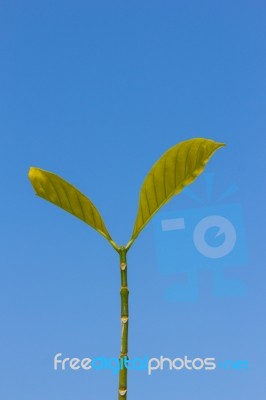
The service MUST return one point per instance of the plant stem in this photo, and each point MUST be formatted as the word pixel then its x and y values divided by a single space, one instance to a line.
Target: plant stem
pixel 124 292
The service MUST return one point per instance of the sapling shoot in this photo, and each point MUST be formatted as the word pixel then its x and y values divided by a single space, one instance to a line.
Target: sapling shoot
pixel 178 167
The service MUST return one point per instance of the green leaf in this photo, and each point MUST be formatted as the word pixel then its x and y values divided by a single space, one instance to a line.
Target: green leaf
pixel 61 193
pixel 177 168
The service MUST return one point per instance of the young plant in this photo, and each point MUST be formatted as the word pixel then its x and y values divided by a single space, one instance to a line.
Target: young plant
pixel 178 167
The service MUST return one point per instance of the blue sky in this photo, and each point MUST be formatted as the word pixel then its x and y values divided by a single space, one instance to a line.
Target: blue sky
pixel 96 92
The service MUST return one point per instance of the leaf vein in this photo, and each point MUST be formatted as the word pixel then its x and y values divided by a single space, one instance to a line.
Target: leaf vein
pixel 67 196
pixel 81 207
pixel 147 199
pixel 53 186
pixel 153 181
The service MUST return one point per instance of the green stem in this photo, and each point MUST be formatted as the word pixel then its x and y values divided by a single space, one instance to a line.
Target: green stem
pixel 124 292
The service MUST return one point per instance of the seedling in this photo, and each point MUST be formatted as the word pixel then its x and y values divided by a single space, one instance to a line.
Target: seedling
pixel 178 167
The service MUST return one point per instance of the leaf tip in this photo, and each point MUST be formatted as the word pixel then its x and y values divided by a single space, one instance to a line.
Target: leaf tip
pixel 221 144
pixel 33 173
pixel 34 176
